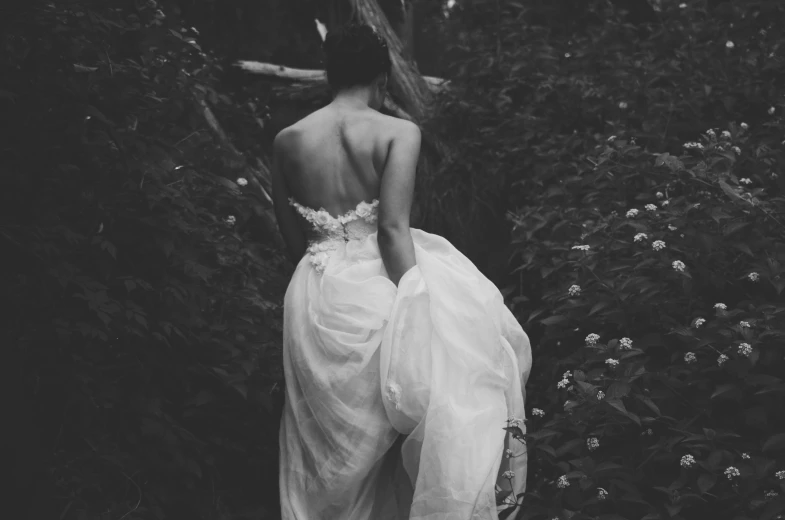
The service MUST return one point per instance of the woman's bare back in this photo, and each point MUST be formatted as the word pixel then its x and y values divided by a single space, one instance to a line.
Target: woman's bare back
pixel 335 157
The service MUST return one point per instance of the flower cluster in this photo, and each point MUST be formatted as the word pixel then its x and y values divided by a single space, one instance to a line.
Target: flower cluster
pixel 678 265
pixel 537 412
pixel 625 343
pixel 722 359
pixel 574 290
pixel 632 213
pixel 640 237
pixel 732 472
pixel 650 207
pixel 687 461
pixel 690 357
pixel 658 245
pixel 592 443
pixel 592 339
pixel 612 362
pixel 698 322
pixel 562 482
pixel 582 247
pixel 745 349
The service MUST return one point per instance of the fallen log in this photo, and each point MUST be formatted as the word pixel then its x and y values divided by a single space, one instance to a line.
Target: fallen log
pixel 313 75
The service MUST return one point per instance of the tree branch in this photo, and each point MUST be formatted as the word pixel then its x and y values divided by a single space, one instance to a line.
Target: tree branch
pixel 313 75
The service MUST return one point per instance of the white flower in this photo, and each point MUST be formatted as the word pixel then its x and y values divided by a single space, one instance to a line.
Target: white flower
pixel 744 324
pixel 601 494
pixel 567 374
pixel 771 111
pixel 711 133
pixel 514 421
pixel 665 203
pixel 731 472
pixel 745 456
pixel 780 474
pixel 574 290
pixel 508 474
pixel 562 482
pixel 567 54
pixel 537 412
pixel 691 145
pixel 720 306
pixel 592 443
pixel 582 247
pixel 690 357
pixel 626 343
pixel 658 245
pixel 725 134
pixel 744 126
pixel 678 265
pixel 729 44
pixel 682 5
pixel 612 362
pixel 650 207
pixel 659 195
pixel 600 395
pixel 672 227
pixel 632 213
pixel 592 338
pixel 771 494
pixel 737 150
pixel 562 384
pixel 242 181
pixel 745 349
pixel 230 220
pixel 623 105
pixel 365 209
pixel 319 261
pixel 753 277
pixel 722 359
pixel 745 180
pixel 611 138
pixel 698 322
pixel 687 461
pixel 321 218
pixel 640 236
pixel 508 453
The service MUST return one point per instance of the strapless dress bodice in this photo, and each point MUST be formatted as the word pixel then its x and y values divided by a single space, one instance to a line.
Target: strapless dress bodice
pixel 328 232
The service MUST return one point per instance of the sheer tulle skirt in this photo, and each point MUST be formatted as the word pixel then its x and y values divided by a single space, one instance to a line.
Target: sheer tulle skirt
pixel 397 397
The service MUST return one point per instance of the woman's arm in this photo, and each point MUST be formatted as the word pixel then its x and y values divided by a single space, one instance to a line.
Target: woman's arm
pixel 285 214
pixel 395 202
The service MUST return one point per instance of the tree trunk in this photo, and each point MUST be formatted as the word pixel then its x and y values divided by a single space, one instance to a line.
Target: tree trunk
pixel 407 86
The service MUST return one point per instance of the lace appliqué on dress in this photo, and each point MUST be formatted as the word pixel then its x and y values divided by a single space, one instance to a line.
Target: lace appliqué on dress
pixel 333 230
pixel 394 394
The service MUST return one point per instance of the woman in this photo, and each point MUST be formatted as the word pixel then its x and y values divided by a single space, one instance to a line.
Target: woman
pixel 402 363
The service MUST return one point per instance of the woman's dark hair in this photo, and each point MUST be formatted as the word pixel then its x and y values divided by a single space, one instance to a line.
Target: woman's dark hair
pixel 356 55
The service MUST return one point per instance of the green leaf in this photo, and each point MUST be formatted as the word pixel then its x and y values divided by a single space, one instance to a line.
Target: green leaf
pixel 775 442
pixel 706 481
pixel 553 320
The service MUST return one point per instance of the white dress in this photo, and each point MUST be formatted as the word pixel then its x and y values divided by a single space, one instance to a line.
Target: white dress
pixel 439 359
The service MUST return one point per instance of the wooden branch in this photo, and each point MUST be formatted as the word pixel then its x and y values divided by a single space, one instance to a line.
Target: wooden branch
pixel 313 75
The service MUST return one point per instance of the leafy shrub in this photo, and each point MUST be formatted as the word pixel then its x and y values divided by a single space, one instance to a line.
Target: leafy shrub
pixel 534 112
pixel 664 317
pixel 142 317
